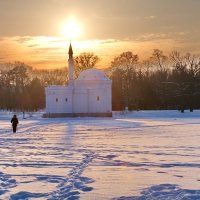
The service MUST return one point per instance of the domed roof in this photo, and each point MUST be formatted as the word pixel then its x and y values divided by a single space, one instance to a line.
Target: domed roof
pixel 92 74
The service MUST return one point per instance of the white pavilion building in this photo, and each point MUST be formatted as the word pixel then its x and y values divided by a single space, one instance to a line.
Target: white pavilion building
pixel 88 95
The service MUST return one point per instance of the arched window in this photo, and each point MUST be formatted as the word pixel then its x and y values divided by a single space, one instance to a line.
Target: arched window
pixel 98 98
pixel 56 99
pixel 66 99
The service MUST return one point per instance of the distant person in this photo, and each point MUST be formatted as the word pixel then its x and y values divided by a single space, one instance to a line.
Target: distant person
pixel 14 122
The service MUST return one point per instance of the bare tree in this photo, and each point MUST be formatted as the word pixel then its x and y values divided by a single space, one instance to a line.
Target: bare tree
pixel 187 63
pixel 86 60
pixel 126 60
pixel 125 66
pixel 52 77
pixel 159 60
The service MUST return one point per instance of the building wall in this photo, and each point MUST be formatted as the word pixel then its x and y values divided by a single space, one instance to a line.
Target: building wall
pixel 99 95
pixel 80 101
pixel 99 101
pixel 58 99
pixel 83 97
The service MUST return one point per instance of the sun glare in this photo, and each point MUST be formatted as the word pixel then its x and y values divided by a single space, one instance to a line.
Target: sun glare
pixel 71 29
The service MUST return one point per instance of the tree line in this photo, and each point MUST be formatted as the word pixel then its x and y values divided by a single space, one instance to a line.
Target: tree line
pixel 22 88
pixel 159 82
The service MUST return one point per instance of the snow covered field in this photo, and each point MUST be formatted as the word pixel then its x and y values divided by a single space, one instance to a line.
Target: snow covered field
pixel 138 155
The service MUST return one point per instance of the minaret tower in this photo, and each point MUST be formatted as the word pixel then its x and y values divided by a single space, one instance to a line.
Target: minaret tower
pixel 70 64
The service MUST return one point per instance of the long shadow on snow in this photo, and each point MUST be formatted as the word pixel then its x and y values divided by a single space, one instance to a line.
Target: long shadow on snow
pixel 163 192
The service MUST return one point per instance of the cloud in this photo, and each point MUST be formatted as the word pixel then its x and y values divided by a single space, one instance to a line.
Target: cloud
pixel 174 35
pixel 32 45
pixel 49 52
pixel 23 39
pixel 152 17
pixel 109 41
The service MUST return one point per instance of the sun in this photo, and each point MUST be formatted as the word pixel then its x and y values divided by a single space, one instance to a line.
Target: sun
pixel 71 29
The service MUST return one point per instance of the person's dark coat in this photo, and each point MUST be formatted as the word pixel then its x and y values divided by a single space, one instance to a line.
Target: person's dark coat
pixel 14 122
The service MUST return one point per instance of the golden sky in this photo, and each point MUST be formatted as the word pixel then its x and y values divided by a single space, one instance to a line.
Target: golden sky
pixel 30 31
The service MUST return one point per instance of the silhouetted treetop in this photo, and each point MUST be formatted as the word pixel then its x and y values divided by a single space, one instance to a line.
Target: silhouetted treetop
pixel 85 60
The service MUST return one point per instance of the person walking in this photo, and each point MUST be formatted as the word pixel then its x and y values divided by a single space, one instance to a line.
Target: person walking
pixel 14 122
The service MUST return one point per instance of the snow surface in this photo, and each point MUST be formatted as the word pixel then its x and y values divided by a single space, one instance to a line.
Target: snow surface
pixel 134 155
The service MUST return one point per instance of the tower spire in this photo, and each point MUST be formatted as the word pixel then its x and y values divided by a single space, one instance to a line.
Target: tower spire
pixel 70 64
pixel 70 52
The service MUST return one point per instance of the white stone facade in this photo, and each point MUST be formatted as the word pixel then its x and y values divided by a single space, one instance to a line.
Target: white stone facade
pixel 89 95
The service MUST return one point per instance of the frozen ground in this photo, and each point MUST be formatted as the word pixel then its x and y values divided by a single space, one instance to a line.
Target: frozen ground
pixel 140 155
